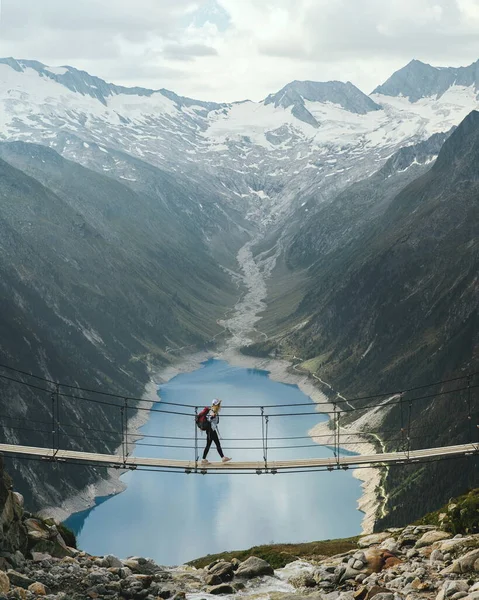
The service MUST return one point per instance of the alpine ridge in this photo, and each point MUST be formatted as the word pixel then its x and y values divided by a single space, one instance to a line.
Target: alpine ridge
pixel 353 218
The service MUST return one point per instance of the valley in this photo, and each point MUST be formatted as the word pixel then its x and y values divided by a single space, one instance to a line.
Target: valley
pixel 321 222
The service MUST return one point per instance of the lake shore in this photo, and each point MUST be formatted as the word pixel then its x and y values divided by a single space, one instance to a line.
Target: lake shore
pixel 279 370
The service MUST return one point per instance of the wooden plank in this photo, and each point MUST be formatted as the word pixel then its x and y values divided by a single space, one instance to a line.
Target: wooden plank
pixel 330 462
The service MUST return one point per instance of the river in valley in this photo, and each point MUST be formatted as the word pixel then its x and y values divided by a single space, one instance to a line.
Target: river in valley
pixel 174 518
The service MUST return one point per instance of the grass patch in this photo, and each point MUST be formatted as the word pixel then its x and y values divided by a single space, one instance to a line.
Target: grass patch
pixel 279 555
pixel 460 515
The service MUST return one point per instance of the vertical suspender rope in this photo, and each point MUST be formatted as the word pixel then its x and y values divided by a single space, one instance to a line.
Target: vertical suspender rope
pixel 469 415
pixel 266 421
pixel 401 404
pixel 122 416
pixel 339 434
pixel 409 430
pixel 53 421
pixel 263 434
pixel 57 426
pixel 196 439
pixel 335 422
pixel 126 430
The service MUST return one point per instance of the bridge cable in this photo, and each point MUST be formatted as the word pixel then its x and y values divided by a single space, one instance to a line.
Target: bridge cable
pixel 119 396
pixel 142 408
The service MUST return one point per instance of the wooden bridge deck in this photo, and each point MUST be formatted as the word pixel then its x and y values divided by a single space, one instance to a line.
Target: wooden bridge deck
pixel 133 462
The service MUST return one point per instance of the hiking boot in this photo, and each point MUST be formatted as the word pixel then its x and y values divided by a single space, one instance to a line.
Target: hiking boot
pixel 225 459
pixel 205 462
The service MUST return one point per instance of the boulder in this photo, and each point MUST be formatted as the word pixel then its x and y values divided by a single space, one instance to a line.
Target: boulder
pixel 55 548
pixel 451 587
pixel 465 564
pixel 37 529
pixel 436 556
pixel 365 593
pixel 220 572
pixel 37 588
pixel 4 583
pixel 254 567
pixel 18 579
pixel 303 580
pixel 430 537
pixel 224 588
pixel 377 560
pixel 373 540
pixel 112 561
pixel 458 544
pixel 212 579
pixel 390 545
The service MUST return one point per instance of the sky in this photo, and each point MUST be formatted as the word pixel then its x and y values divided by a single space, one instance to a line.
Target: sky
pixel 226 50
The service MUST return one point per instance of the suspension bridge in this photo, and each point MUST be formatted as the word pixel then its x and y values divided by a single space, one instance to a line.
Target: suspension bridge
pixel 57 433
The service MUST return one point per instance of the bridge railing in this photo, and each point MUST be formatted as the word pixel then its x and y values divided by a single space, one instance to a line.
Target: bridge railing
pixel 48 415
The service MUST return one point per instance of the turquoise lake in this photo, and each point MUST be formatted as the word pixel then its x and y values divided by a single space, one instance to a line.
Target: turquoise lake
pixel 174 518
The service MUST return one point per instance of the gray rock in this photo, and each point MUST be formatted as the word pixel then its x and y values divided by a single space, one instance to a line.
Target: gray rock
pixel 213 579
pixel 304 580
pixel 332 595
pixel 372 540
pixel 40 556
pixel 18 579
pixel 223 571
pixel 112 561
pixel 384 596
pixel 254 567
pixel 390 545
pixel 430 537
pixel 98 577
pixel 458 595
pixel 451 587
pixel 224 588
pixel 436 556
pixel 348 573
pixel 468 562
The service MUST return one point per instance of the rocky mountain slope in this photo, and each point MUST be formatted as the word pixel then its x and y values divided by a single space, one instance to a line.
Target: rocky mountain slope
pixel 397 305
pixel 123 210
pixel 97 280
pixel 421 561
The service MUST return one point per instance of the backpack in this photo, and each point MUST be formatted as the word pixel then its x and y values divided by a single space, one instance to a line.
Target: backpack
pixel 201 420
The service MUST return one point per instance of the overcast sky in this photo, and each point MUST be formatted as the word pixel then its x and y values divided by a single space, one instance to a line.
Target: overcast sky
pixel 235 49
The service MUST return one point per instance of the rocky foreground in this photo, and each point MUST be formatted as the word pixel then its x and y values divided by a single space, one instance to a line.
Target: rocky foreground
pixel 417 562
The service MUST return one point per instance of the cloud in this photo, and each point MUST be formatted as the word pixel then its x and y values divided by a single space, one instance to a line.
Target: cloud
pixel 228 50
pixel 188 51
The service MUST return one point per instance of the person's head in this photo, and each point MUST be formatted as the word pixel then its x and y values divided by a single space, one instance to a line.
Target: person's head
pixel 216 405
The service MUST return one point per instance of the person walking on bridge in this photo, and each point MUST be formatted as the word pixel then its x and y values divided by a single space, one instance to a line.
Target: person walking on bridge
pixel 212 420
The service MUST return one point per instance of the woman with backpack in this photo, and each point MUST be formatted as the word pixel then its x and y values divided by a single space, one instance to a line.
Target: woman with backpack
pixel 212 420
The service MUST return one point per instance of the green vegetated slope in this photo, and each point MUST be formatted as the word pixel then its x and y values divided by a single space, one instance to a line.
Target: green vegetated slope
pixel 279 555
pixel 96 280
pixel 397 306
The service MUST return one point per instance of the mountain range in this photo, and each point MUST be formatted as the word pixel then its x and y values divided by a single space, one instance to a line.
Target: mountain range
pixel 123 210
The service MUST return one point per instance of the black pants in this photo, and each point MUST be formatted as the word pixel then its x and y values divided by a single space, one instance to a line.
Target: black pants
pixel 212 436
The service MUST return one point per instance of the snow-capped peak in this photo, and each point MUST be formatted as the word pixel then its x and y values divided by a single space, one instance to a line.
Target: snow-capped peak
pixel 346 95
pixel 308 138
pixel 88 85
pixel 419 80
